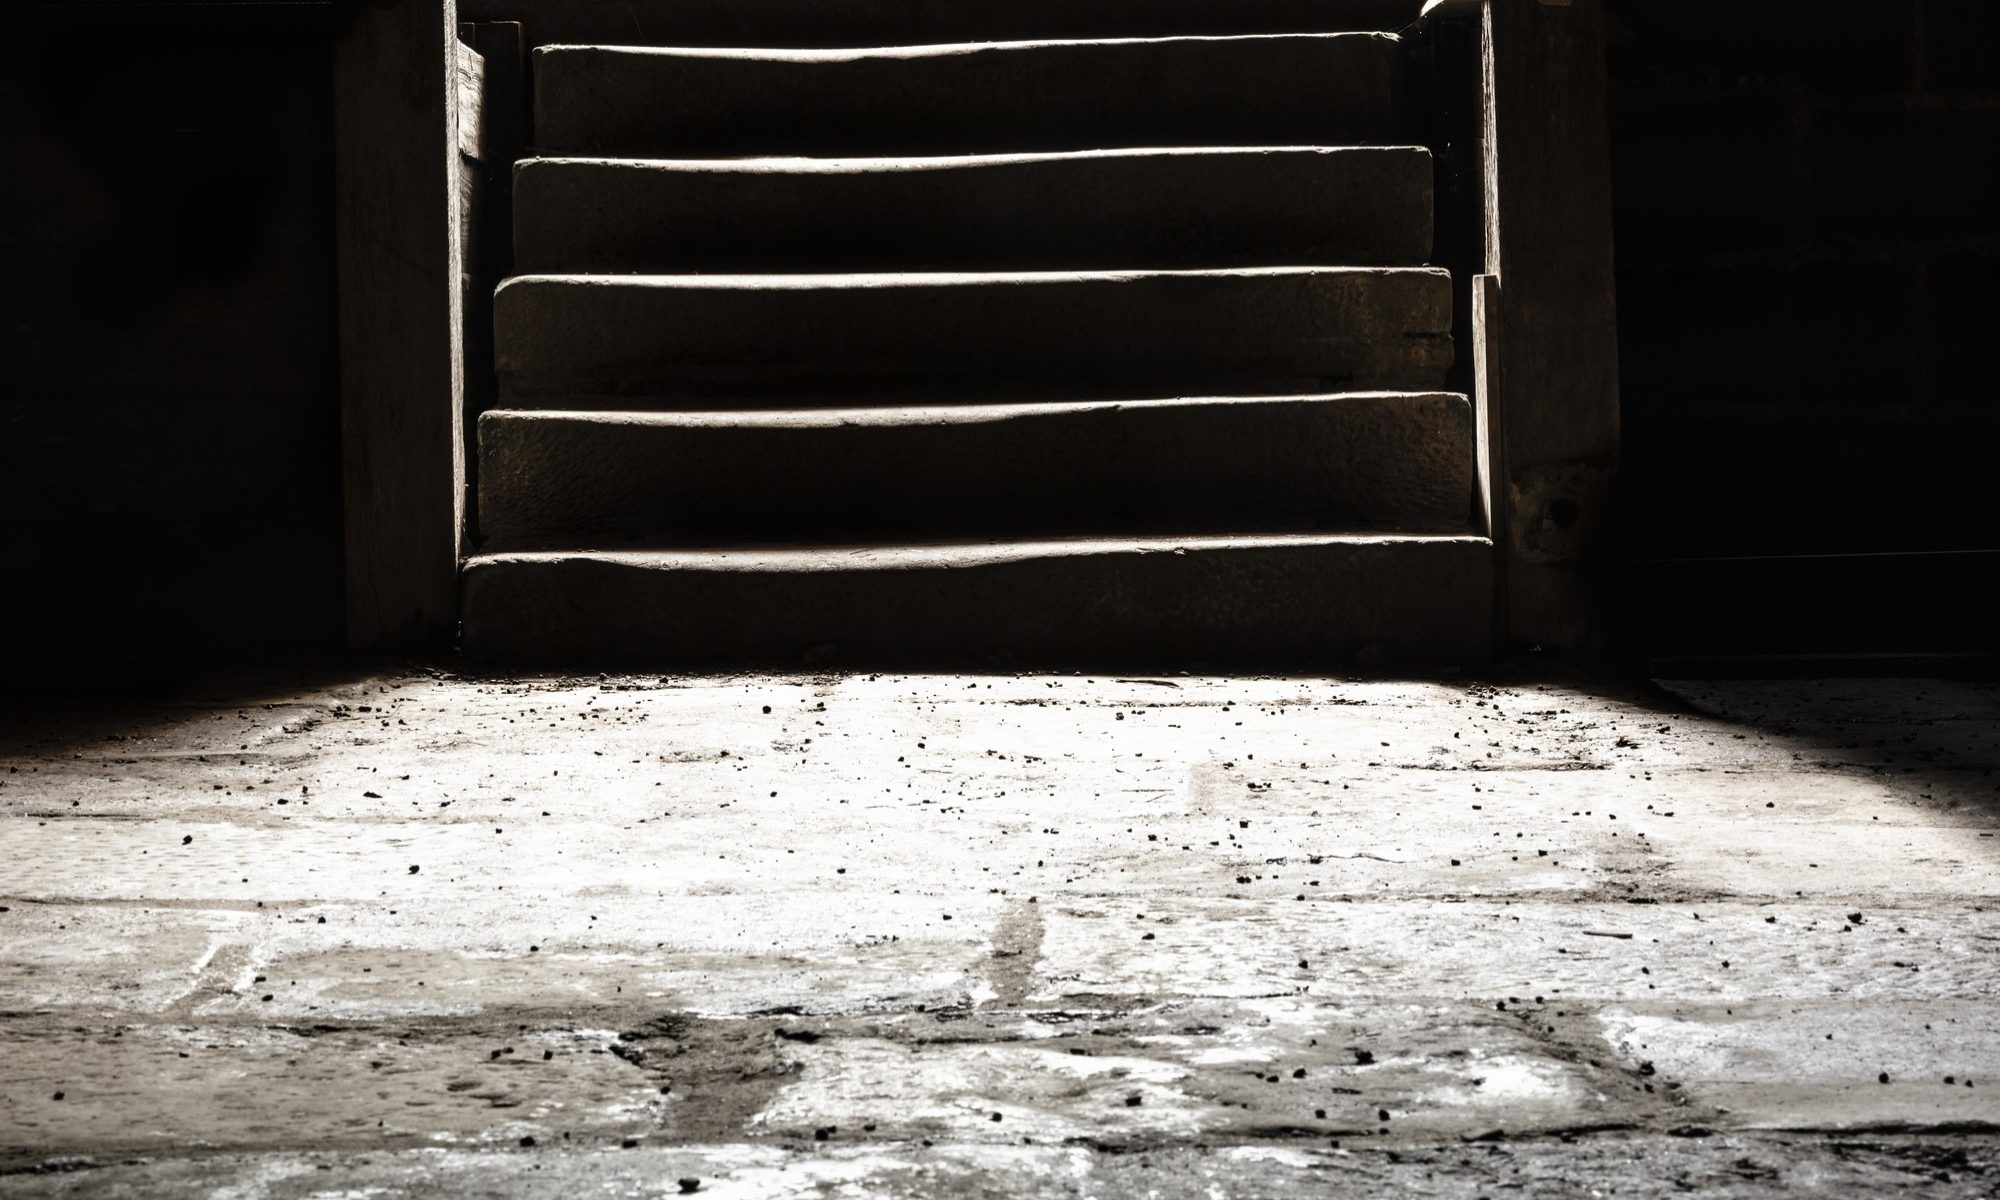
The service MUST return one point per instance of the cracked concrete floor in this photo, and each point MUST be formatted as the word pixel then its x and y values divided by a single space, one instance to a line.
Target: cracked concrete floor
pixel 1001 936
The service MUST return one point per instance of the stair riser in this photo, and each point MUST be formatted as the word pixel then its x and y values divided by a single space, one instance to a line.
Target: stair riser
pixel 1360 207
pixel 1390 462
pixel 607 342
pixel 1367 603
pixel 1335 89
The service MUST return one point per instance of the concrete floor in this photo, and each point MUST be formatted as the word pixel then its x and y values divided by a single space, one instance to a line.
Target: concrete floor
pixel 1003 936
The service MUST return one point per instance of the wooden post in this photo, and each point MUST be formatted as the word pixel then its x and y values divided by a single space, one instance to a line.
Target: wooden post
pixel 1547 341
pixel 402 367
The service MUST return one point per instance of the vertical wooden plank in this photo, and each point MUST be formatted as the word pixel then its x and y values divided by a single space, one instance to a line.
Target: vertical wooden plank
pixel 475 315
pixel 401 359
pixel 469 77
pixel 487 178
pixel 1445 58
pixel 502 47
pixel 1549 243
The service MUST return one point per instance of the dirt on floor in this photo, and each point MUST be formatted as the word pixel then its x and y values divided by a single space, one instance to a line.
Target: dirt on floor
pixel 966 935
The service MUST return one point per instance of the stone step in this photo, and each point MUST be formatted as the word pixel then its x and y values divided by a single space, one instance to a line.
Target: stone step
pixel 1290 600
pixel 1371 461
pixel 582 341
pixel 922 22
pixel 1224 207
pixel 1276 90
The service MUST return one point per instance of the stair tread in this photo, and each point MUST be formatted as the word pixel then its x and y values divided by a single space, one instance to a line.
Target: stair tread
pixel 1074 349
pixel 1186 207
pixel 1367 460
pixel 582 341
pixel 1286 600
pixel 1257 89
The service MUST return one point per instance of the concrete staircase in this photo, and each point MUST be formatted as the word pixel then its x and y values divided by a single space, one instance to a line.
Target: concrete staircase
pixel 1060 352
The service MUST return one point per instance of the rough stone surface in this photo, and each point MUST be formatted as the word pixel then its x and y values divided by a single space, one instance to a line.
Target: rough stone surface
pixel 1363 461
pixel 1640 1166
pixel 684 340
pixel 1091 210
pixel 417 934
pixel 1377 601
pixel 1278 90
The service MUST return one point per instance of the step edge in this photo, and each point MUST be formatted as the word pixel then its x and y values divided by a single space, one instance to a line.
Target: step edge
pixel 861 164
pixel 834 281
pixel 902 555
pixel 776 54
pixel 898 415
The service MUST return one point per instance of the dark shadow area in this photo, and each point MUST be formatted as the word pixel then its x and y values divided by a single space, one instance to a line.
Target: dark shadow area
pixel 1929 742
pixel 1806 226
pixel 1934 742
pixel 1805 203
pixel 142 705
pixel 170 428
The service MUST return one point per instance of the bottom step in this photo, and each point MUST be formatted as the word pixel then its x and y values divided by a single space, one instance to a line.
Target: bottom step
pixel 1287 601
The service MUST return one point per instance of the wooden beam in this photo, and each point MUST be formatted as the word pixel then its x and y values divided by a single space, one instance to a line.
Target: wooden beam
pixel 396 150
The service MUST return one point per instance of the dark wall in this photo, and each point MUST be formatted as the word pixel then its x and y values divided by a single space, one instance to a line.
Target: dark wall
pixel 1808 214
pixel 169 430
pixel 1808 222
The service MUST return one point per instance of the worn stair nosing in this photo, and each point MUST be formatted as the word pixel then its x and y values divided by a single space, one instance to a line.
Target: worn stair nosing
pixel 834 281
pixel 953 553
pixel 863 163
pixel 937 49
pixel 890 413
